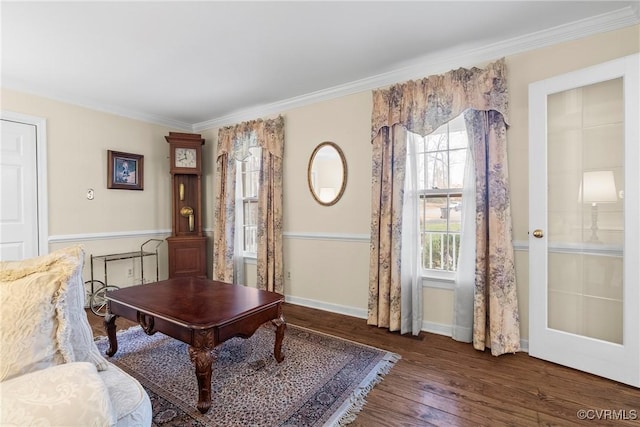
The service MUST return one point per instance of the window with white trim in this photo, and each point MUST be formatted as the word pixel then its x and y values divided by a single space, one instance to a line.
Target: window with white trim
pixel 247 192
pixel 441 158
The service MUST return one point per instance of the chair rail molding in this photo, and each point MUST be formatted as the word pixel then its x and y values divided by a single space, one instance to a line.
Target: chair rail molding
pixel 69 238
pixel 312 235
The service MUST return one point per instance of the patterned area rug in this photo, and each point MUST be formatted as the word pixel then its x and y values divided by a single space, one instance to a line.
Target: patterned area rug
pixel 323 380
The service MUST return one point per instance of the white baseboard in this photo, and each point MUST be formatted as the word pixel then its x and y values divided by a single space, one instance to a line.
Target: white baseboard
pixel 430 327
pixel 334 308
pixel 437 328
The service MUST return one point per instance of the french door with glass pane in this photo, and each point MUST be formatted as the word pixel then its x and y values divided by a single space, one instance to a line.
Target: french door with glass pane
pixel 584 234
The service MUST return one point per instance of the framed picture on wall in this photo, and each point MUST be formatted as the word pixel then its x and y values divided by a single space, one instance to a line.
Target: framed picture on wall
pixel 125 171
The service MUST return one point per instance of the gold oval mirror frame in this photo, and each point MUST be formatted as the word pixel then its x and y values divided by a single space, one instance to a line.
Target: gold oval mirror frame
pixel 327 173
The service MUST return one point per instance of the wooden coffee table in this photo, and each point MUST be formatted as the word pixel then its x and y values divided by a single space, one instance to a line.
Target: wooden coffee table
pixel 198 312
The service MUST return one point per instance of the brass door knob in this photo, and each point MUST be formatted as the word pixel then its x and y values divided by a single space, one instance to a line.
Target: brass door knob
pixel 538 233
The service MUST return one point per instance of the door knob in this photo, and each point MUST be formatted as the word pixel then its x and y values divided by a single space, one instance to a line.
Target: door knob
pixel 538 233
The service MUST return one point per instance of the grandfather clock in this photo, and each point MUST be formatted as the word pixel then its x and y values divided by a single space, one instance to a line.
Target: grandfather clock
pixel 187 244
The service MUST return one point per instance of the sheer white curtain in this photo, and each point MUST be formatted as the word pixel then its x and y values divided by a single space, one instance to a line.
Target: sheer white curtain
pixel 238 246
pixel 410 277
pixel 466 269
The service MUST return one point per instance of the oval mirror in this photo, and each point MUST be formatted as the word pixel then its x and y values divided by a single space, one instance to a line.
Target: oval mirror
pixel 327 173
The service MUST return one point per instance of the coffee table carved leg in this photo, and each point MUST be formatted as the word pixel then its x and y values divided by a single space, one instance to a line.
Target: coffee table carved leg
pixel 281 326
pixel 110 327
pixel 201 354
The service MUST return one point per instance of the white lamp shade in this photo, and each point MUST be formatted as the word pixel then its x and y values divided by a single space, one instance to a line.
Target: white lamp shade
pixel 599 187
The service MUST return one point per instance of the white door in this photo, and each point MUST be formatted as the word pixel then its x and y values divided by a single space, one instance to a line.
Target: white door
pixel 584 231
pixel 19 191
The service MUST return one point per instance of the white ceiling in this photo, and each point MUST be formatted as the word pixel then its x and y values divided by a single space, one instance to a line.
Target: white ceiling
pixel 189 64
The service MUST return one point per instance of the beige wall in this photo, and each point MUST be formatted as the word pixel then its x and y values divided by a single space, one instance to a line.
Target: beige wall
pixel 326 248
pixel 77 143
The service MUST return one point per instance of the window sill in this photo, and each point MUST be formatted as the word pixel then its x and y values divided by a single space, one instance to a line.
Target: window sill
pixel 250 257
pixel 439 281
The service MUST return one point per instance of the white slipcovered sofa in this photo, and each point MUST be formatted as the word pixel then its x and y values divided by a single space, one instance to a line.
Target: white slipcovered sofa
pixel 51 372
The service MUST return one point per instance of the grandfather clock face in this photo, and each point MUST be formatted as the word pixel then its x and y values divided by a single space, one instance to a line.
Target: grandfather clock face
pixel 185 158
pixel 186 169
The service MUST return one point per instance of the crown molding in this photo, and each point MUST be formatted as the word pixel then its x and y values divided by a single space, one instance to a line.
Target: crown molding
pixel 12 84
pixel 435 63
pixel 442 61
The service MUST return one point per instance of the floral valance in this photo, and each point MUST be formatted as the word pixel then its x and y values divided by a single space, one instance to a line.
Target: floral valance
pixel 268 134
pixel 422 106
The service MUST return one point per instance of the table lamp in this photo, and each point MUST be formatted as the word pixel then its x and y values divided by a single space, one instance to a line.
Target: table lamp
pixel 599 187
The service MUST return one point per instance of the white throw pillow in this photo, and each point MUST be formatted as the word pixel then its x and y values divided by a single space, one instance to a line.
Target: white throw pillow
pixel 42 317
pixel 71 307
pixel 29 334
pixel 72 394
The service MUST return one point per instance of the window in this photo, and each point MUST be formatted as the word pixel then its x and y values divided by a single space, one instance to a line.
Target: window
pixel 441 158
pixel 247 191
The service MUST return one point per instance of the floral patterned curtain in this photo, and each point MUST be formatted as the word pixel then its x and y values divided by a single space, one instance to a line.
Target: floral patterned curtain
pixel 269 135
pixel 421 106
pixel 270 248
pixel 385 268
pixel 496 322
pixel 224 213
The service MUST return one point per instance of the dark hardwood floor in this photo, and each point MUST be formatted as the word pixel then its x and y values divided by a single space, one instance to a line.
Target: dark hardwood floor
pixel 442 382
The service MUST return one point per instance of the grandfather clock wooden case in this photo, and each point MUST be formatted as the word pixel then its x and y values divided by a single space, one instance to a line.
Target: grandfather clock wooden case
pixel 187 244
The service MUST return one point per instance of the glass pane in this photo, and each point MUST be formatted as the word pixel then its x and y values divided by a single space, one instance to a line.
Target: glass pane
pixel 438 170
pixel 251 173
pixel 585 158
pixel 457 160
pixel 250 239
pixel 454 213
pixel 421 168
pixel 250 184
pixel 458 139
pixel 254 159
pixel 458 133
pixel 245 183
pixel 432 227
pixel 437 141
pixel 421 143
pixel 250 212
pixel 434 213
pixel 440 222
